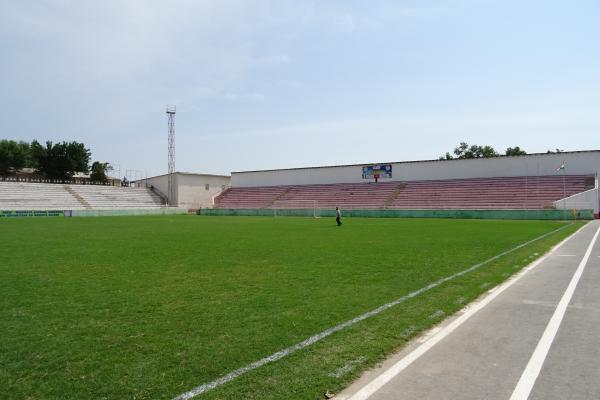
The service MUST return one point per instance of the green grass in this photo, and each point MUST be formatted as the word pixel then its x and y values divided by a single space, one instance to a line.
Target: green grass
pixel 150 307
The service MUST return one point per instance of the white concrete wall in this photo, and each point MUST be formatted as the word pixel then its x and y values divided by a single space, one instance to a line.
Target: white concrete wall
pixel 191 189
pixel 530 165
pixel 588 200
pixel 160 182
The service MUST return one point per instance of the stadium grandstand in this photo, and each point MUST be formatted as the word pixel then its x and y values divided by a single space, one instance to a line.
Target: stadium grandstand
pixel 544 181
pixel 566 180
pixel 16 195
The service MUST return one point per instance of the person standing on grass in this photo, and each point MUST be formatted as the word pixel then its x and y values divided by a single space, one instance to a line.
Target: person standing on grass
pixel 338 216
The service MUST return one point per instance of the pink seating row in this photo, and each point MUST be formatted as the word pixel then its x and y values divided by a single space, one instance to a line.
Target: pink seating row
pixel 478 193
pixel 492 193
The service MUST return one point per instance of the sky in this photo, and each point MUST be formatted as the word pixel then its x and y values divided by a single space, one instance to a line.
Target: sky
pixel 278 84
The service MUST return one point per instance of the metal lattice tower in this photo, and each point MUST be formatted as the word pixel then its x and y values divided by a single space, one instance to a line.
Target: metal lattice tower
pixel 171 189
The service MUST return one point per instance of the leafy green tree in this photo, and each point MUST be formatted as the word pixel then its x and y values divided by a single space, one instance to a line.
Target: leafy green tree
pixel 98 172
pixel 486 152
pixel 39 155
pixel 515 151
pixel 13 156
pixel 464 151
pixel 61 160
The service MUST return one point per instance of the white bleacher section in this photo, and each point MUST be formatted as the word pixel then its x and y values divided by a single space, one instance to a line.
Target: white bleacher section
pixel 45 196
pixel 101 197
pixel 36 196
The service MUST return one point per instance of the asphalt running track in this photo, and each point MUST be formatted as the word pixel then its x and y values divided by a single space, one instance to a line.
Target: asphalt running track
pixel 537 336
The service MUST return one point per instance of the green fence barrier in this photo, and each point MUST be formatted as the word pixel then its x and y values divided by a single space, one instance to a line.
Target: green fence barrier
pixel 463 214
pixel 267 212
pixel 31 213
pixel 90 213
pixel 113 213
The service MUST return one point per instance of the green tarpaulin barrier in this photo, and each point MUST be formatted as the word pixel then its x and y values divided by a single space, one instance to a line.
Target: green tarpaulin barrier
pixel 549 214
pixel 91 213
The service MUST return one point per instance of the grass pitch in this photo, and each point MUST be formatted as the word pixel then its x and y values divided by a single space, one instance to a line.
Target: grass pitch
pixel 150 307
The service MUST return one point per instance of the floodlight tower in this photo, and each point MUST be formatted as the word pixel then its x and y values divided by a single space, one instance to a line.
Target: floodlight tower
pixel 171 189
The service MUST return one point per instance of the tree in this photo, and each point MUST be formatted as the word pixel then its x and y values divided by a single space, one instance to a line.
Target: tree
pixel 98 172
pixel 515 151
pixel 464 151
pixel 13 156
pixel 61 160
pixel 486 152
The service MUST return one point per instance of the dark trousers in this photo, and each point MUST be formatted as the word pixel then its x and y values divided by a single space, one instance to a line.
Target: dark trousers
pixel 338 220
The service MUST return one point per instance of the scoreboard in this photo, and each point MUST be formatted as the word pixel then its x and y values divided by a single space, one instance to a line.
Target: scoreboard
pixel 377 171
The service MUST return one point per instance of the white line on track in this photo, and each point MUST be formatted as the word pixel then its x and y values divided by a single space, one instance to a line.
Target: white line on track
pixel 565 255
pixel 368 390
pixel 534 366
pixel 315 338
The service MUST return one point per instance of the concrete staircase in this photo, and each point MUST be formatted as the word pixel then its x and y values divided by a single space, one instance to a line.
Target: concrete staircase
pixel 80 199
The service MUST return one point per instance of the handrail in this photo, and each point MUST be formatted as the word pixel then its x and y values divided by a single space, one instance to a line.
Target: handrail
pixel 75 181
pixel 160 194
pixel 223 190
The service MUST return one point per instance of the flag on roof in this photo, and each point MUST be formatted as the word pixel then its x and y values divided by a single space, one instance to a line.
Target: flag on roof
pixel 562 166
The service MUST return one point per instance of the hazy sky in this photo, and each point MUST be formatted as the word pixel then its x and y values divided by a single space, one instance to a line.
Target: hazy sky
pixel 273 84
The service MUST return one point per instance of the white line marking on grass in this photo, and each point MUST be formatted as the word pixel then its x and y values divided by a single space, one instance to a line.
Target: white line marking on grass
pixel 437 314
pixel 534 366
pixel 343 370
pixel 368 390
pixel 408 332
pixel 315 338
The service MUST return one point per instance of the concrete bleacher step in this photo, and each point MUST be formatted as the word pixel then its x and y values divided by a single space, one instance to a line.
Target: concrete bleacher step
pixel 499 192
pixel 22 195
pixel 80 199
pixel 394 194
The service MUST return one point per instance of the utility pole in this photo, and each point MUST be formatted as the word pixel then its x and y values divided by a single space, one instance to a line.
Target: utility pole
pixel 171 187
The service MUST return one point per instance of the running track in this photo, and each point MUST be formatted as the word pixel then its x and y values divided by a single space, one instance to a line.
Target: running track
pixel 535 337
